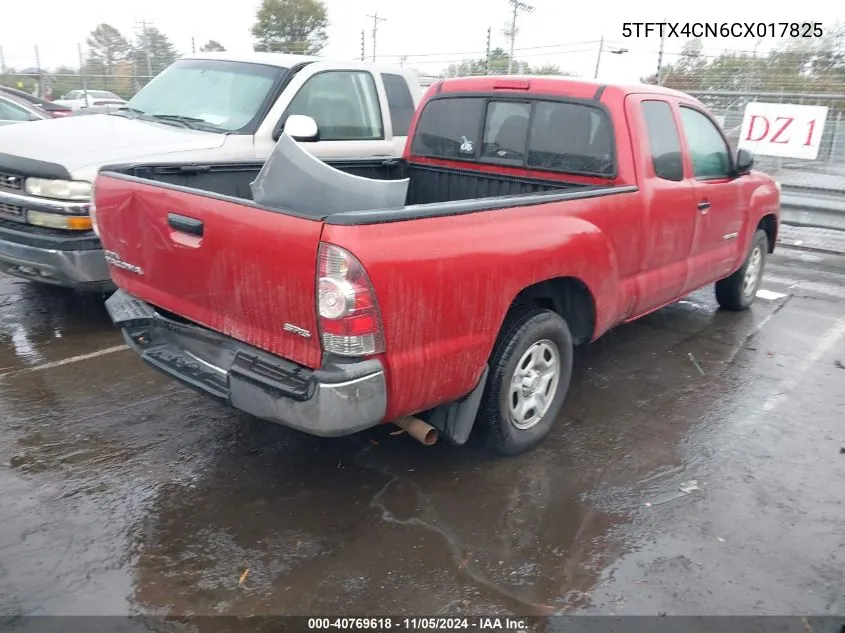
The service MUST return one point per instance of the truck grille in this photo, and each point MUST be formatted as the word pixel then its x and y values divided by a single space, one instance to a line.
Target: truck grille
pixel 11 182
pixel 11 211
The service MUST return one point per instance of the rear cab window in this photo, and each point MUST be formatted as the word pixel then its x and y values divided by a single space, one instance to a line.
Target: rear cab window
pixel 540 133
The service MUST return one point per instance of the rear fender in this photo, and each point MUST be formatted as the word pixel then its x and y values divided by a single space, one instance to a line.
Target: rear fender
pixel 584 253
pixel 444 309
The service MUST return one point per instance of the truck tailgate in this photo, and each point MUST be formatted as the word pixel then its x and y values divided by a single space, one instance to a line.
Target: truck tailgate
pixel 234 268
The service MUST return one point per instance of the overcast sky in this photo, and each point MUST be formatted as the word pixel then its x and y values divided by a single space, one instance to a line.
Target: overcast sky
pixel 432 33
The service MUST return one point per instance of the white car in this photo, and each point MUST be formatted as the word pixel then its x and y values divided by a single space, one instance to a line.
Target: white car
pixel 209 108
pixel 77 99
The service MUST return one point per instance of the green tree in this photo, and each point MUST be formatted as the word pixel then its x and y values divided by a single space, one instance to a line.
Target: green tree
pixel 291 26
pixel 498 65
pixel 797 65
pixel 550 69
pixel 106 48
pixel 212 46
pixel 153 52
pixel 65 79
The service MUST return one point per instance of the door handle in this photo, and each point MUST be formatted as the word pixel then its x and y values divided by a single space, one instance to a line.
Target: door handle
pixel 703 206
pixel 185 224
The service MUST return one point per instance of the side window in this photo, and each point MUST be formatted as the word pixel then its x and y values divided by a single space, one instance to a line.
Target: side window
pixel 708 150
pixel 343 103
pixel 505 132
pixel 11 112
pixel 400 101
pixel 570 137
pixel 663 140
pixel 449 128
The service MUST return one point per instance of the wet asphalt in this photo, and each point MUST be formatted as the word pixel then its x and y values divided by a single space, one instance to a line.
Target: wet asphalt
pixel 697 468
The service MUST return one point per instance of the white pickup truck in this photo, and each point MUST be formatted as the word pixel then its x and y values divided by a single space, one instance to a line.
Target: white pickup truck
pixel 209 107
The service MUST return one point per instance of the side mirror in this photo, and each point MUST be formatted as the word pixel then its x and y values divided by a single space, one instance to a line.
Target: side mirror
pixel 301 128
pixel 744 162
pixel 34 117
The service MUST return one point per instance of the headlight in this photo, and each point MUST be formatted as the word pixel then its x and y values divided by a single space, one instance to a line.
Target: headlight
pixel 58 189
pixel 59 221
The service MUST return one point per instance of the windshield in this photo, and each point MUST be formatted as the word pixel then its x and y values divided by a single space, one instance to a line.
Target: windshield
pixel 227 95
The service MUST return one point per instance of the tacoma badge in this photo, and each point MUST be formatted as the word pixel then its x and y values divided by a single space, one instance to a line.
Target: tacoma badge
pixel 114 259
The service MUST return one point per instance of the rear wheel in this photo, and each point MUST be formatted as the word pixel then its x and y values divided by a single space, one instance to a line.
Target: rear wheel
pixel 738 291
pixel 530 370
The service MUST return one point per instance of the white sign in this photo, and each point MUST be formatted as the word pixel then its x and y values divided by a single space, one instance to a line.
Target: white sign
pixel 783 129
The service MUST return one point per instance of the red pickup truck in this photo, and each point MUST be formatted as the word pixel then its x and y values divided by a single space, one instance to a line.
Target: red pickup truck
pixel 540 213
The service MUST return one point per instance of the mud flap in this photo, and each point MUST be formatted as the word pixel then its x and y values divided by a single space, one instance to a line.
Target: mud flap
pixel 455 420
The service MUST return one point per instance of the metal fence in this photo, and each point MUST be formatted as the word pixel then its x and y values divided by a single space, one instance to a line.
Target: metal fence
pixel 730 107
pixel 813 195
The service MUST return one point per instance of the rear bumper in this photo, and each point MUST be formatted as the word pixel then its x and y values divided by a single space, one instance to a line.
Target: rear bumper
pixel 72 261
pixel 335 400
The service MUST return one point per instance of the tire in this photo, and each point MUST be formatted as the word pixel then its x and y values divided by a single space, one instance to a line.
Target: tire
pixel 531 338
pixel 738 291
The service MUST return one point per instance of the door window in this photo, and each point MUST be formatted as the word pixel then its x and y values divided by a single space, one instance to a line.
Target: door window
pixel 344 104
pixel 663 140
pixel 12 112
pixel 708 151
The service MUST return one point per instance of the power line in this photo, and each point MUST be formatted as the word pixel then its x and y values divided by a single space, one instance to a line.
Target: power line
pixel 469 59
pixel 471 53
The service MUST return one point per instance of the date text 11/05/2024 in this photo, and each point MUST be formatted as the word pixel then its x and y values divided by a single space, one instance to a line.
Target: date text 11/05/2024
pixel 723 29
pixel 418 624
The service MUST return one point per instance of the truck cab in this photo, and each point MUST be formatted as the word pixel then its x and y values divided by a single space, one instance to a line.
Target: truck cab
pixel 208 107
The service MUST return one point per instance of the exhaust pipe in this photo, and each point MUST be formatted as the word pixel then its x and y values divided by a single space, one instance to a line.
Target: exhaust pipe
pixel 420 430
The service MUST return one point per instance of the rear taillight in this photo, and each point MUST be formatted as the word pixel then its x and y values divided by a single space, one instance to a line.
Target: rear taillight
pixel 349 319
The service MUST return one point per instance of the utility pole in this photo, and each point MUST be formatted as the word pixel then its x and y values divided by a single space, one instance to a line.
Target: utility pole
pixel 511 32
pixel 193 44
pixel 2 62
pixel 598 59
pixel 146 42
pixel 38 68
pixel 402 61
pixel 753 67
pixel 660 60
pixel 363 43
pixel 487 58
pixel 82 72
pixel 615 51
pixel 660 56
pixel 376 20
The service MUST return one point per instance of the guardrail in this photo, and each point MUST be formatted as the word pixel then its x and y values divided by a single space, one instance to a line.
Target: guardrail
pixel 811 208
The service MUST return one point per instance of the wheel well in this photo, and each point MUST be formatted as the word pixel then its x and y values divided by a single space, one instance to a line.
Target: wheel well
pixel 570 298
pixel 769 224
